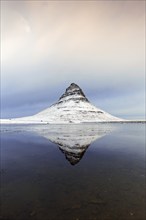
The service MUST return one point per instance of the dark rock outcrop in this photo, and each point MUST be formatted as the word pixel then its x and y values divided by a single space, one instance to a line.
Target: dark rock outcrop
pixel 73 92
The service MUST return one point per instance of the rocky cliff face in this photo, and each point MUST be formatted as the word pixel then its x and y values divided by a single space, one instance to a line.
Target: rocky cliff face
pixel 74 93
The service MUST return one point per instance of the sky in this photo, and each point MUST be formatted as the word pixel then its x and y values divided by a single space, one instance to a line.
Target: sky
pixel 47 45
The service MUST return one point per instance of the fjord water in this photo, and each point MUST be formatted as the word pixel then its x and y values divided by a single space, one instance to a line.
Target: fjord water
pixel 73 172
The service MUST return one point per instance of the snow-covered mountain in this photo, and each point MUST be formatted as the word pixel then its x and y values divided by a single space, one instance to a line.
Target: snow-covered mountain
pixel 72 107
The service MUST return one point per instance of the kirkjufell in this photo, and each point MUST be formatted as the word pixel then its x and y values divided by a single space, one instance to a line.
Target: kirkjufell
pixel 72 107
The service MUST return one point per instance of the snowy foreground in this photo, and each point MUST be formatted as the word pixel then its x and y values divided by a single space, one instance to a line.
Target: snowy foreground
pixel 72 107
pixel 32 121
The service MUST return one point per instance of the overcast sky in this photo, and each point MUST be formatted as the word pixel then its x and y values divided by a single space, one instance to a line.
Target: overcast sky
pixel 46 45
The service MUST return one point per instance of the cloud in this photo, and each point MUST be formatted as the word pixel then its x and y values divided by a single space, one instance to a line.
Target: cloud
pixel 46 45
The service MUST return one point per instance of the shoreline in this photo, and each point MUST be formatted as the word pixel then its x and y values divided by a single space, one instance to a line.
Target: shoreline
pixel 10 122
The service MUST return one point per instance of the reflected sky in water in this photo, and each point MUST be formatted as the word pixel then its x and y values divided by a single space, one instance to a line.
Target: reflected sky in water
pixel 106 181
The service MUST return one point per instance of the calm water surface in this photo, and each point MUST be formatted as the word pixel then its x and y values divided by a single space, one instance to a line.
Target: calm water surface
pixel 73 172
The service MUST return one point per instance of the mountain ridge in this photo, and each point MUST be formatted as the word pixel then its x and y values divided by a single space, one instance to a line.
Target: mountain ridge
pixel 72 107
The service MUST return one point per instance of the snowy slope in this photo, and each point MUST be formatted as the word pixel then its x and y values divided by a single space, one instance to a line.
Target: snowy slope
pixel 72 107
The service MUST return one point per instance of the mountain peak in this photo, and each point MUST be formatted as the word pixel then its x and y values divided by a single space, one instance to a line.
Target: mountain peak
pixel 74 85
pixel 73 92
pixel 72 107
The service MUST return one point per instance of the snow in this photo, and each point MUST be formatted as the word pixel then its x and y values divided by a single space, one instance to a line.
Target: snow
pixel 74 112
pixel 67 112
pixel 72 107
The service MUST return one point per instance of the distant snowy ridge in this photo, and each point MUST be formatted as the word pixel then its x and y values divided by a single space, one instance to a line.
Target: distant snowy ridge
pixel 72 107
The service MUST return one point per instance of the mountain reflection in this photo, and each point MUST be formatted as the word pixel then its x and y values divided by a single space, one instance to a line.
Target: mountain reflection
pixel 73 140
